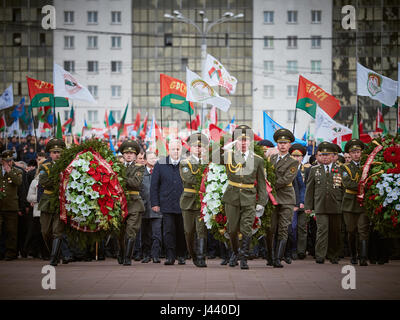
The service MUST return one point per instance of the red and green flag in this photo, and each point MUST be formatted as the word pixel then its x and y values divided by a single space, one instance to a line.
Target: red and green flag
pixel 41 94
pixel 59 134
pixel 173 94
pixel 43 116
pixel 309 96
pixel 143 130
pixel 2 123
pixel 380 123
pixel 122 123
pixel 161 146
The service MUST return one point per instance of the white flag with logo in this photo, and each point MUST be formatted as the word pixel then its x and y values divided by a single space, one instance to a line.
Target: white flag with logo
pixel 217 75
pixel 376 86
pixel 199 90
pixel 7 98
pixel 65 85
pixel 326 128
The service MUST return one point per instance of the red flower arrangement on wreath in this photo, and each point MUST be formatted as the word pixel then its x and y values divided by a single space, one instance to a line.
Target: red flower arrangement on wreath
pixel 392 154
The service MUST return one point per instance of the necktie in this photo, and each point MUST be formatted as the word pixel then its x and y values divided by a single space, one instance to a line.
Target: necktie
pixel 151 171
pixel 327 171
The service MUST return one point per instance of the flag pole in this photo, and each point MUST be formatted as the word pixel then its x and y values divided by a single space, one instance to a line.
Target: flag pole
pixel 34 129
pixel 54 117
pixel 294 123
pixel 357 106
pixel 190 122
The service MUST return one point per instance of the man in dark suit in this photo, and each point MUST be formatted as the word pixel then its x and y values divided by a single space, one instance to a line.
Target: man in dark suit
pixel 165 191
pixel 151 220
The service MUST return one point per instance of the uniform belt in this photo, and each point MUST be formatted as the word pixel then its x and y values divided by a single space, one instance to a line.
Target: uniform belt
pixel 48 192
pixel 240 185
pixel 351 191
pixel 190 190
pixel 134 192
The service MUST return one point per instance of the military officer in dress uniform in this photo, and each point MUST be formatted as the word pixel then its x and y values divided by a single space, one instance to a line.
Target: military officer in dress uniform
pixel 243 169
pixel 189 202
pixel 134 178
pixel 10 180
pixel 52 226
pixel 324 196
pixel 355 217
pixel 285 168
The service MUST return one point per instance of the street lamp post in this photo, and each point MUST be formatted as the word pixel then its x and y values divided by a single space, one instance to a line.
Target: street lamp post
pixel 227 16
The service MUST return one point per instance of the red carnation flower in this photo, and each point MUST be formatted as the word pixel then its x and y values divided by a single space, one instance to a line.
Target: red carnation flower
pixel 91 171
pixel 104 210
pixel 392 154
pixel 105 178
pixel 96 187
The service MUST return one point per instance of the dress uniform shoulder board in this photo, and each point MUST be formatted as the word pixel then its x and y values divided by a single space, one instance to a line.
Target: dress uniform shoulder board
pixel 256 155
pixel 139 165
pixel 347 169
pixel 307 165
pixel 45 166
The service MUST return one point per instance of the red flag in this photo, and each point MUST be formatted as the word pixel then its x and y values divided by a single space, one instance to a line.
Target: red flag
pixel 360 128
pixel 215 132
pixel 198 120
pixel 38 86
pixel 137 122
pixel 144 130
pixel 161 146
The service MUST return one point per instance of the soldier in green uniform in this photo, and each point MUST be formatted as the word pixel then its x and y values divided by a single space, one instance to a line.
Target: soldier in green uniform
pixel 285 168
pixel 51 225
pixel 243 169
pixel 10 179
pixel 134 178
pixel 355 217
pixel 189 203
pixel 324 196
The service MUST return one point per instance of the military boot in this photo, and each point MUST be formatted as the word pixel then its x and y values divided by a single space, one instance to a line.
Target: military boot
pixel 225 254
pixel 235 248
pixel 55 252
pixel 190 248
pixel 129 251
pixel 352 247
pixel 363 253
pixel 201 258
pixel 244 252
pixel 268 246
pixel 280 249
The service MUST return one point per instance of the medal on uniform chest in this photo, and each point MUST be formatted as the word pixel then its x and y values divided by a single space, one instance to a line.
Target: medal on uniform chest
pixel 337 178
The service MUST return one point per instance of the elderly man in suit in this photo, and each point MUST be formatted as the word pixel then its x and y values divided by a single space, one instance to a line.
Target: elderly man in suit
pixel 165 192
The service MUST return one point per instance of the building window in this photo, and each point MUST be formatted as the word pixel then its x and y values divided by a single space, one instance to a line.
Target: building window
pixel 116 91
pixel 292 91
pixel 92 42
pixel 93 66
pixel 316 16
pixel 69 66
pixel 168 39
pixel 116 66
pixel 290 115
pixel 68 17
pixel 68 42
pixel 16 14
pixel 116 42
pixel 116 17
pixel 292 42
pixel 292 66
pixel 42 39
pixel 316 66
pixel 92 115
pixel 268 42
pixel 268 17
pixel 66 115
pixel 116 114
pixel 17 39
pixel 184 63
pixel 292 16
pixel 316 42
pixel 93 91
pixel 268 66
pixel 268 91
pixel 92 17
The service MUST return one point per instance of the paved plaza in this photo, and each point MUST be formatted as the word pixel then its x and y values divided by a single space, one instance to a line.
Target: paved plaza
pixel 22 279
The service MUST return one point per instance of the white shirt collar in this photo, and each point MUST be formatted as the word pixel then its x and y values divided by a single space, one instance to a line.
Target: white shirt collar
pixel 174 162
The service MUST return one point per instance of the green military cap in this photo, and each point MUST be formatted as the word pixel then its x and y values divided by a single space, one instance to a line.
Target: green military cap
pixel 55 145
pixel 198 139
pixel 326 147
pixel 7 155
pixel 341 159
pixel 243 131
pixel 129 146
pixel 354 144
pixel 265 144
pixel 283 135
pixel 297 150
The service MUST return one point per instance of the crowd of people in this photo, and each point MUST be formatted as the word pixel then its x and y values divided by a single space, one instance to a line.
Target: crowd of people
pixel 314 215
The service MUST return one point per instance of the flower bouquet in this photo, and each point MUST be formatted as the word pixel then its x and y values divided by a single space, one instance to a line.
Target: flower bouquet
pixel 379 187
pixel 92 199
